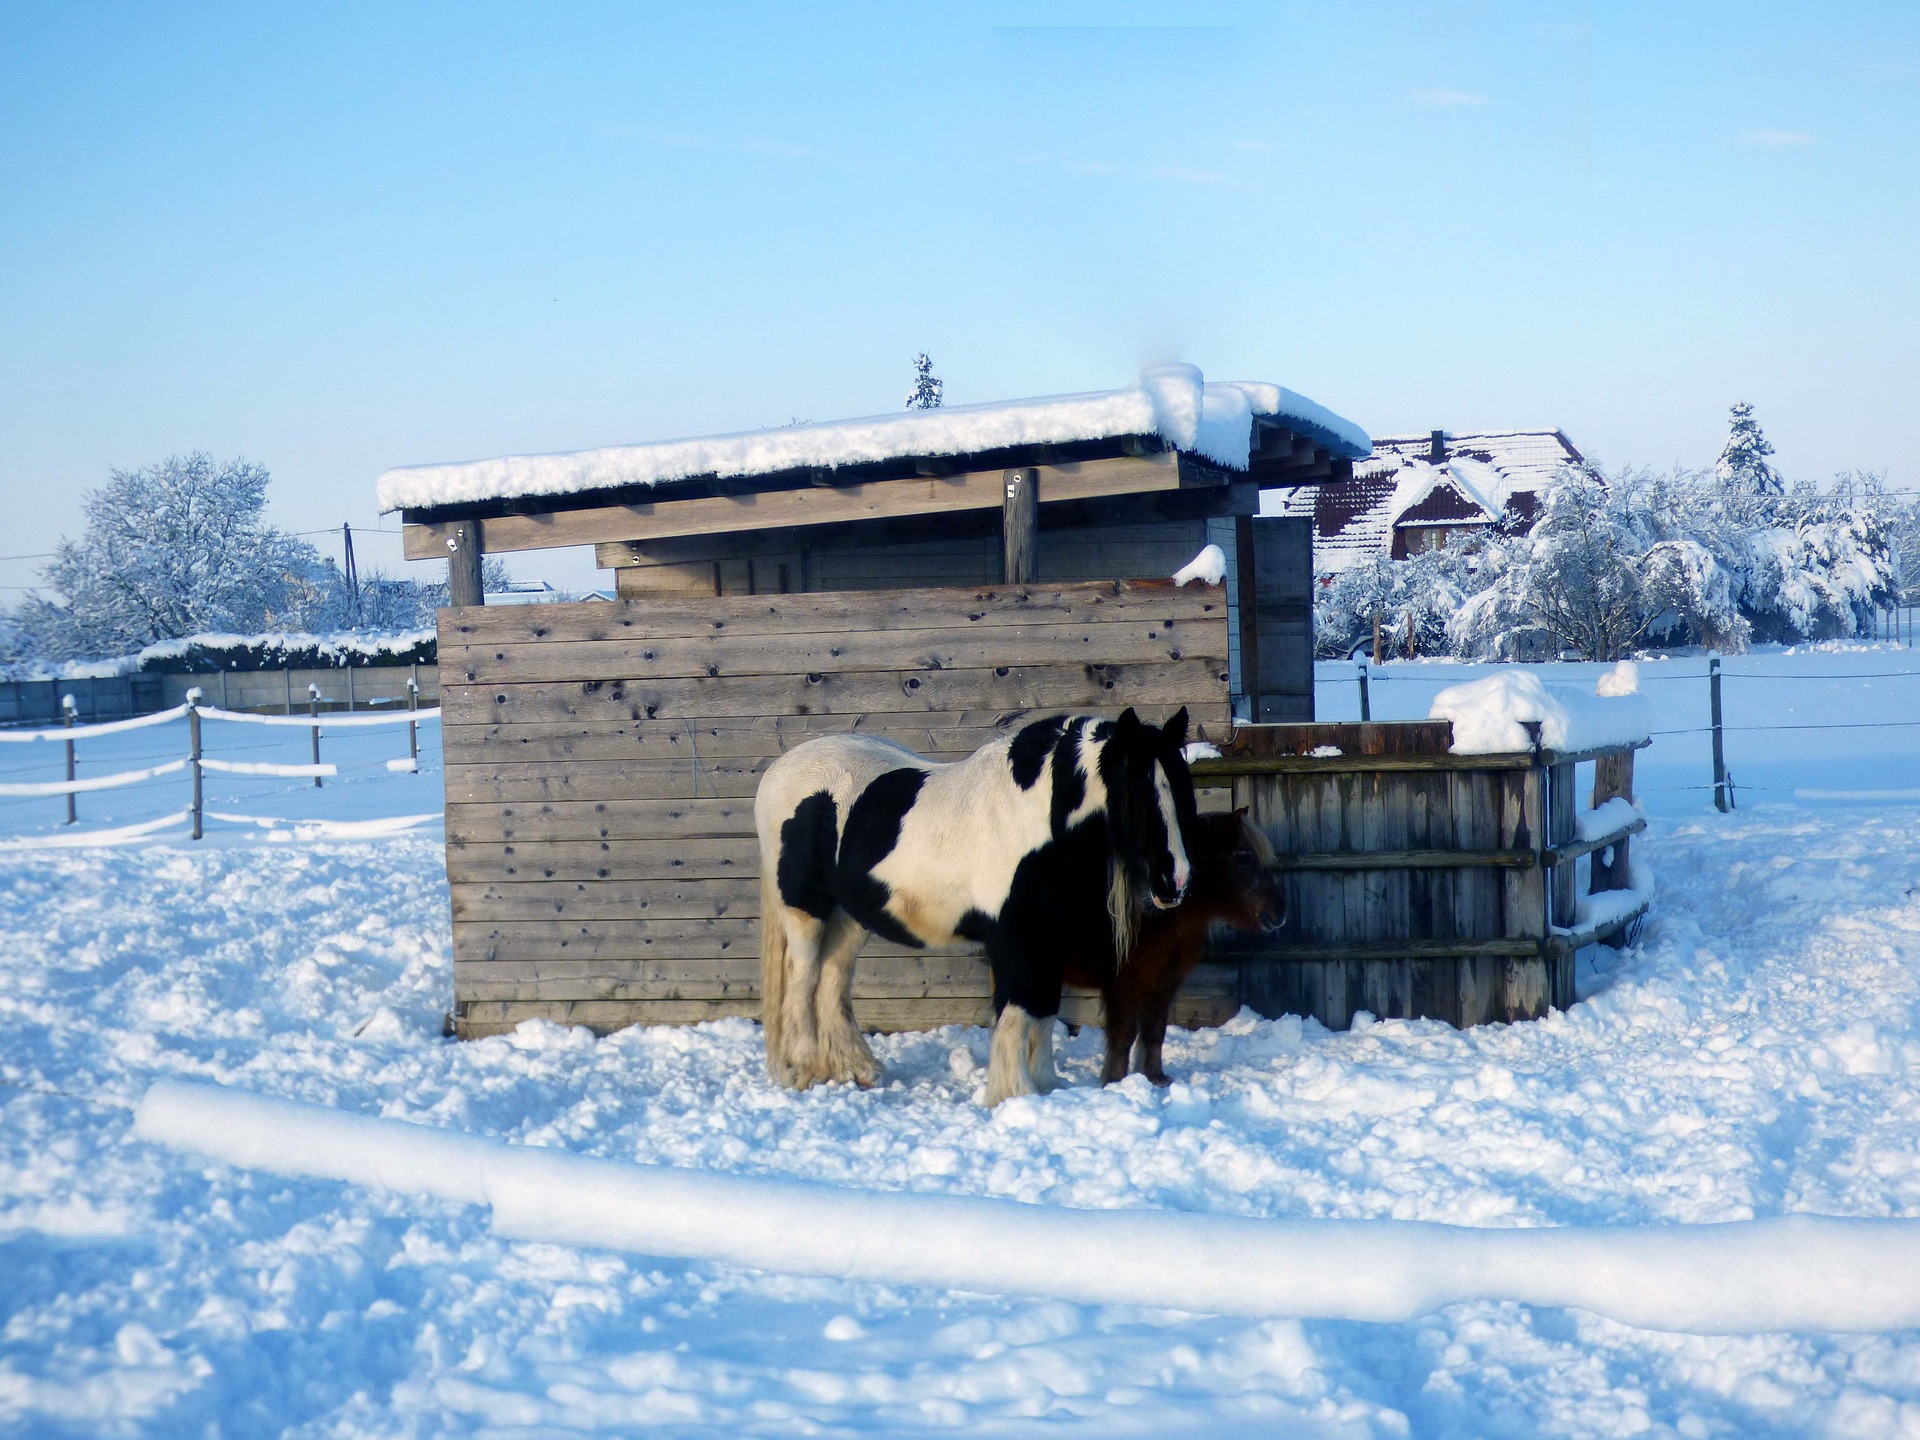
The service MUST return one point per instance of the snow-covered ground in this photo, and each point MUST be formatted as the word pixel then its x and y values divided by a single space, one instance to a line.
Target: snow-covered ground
pixel 1758 1056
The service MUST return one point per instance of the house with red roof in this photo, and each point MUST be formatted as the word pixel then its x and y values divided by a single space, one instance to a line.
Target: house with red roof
pixel 1427 492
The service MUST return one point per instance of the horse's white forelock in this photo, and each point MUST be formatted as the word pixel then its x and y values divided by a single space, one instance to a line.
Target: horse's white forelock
pixel 1121 909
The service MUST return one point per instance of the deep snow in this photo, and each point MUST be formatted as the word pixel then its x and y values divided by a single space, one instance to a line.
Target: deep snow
pixel 1756 1057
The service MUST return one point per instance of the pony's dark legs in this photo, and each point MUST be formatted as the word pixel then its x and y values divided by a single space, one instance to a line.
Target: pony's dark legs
pixel 1121 1004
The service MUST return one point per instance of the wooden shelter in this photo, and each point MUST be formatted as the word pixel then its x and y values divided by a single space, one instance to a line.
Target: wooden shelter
pixel 941 578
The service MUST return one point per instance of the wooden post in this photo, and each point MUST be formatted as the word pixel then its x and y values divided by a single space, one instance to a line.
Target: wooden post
pixel 68 716
pixel 1020 527
pixel 1722 791
pixel 1246 574
pixel 288 674
pixel 349 670
pixel 1378 655
pixel 464 549
pixel 313 709
pixel 1609 869
pixel 193 756
pixel 1366 708
pixel 413 726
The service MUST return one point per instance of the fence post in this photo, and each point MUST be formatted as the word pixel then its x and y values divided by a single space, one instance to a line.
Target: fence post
pixel 1366 708
pixel 193 753
pixel 413 726
pixel 1722 791
pixel 313 709
pixel 68 716
pixel 223 688
pixel 288 673
pixel 1377 655
pixel 349 670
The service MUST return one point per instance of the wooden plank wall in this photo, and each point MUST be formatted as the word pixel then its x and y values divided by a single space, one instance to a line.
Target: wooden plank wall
pixel 601 761
pixel 1328 810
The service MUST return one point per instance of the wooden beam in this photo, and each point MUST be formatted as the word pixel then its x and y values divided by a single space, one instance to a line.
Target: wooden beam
pixel 1020 528
pixel 463 545
pixel 784 509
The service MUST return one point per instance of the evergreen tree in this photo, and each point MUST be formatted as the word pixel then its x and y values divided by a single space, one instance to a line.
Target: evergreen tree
pixel 1742 465
pixel 927 386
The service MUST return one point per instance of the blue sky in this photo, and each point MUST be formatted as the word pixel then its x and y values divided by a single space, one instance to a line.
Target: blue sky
pixel 338 239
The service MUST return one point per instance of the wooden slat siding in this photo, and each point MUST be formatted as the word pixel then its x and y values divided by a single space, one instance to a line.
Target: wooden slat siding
pixel 569 819
pixel 1062 687
pixel 1126 641
pixel 1381 937
pixel 484 863
pixel 812 505
pixel 987 606
pixel 749 737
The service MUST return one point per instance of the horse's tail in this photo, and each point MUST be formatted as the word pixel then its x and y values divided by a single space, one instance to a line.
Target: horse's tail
pixel 773 968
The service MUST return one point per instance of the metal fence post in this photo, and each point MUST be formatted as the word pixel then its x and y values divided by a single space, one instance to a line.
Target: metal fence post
pixel 313 709
pixel 1722 790
pixel 1366 707
pixel 69 715
pixel 413 726
pixel 193 754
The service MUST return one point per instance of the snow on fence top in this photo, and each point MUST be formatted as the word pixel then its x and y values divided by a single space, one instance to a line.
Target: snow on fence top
pixel 1489 715
pixel 1174 402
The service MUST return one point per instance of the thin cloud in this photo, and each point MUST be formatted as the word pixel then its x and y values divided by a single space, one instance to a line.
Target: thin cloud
pixel 1450 99
pixel 1780 139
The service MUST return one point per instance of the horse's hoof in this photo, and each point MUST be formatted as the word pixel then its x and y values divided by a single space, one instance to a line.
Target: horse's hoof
pixel 1159 1078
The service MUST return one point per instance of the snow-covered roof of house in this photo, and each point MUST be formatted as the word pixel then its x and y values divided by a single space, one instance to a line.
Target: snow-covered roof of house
pixel 1485 475
pixel 1214 420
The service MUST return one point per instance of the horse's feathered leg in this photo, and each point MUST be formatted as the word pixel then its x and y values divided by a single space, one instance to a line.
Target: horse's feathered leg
pixel 773 977
pixel 1040 1055
pixel 799 1034
pixel 842 1053
pixel 1007 1072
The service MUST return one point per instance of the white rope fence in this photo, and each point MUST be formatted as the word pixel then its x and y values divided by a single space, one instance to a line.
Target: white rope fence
pixel 198 764
pixel 93 782
pixel 110 727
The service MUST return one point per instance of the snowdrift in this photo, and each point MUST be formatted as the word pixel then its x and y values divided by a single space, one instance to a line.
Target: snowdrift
pixel 1799 1272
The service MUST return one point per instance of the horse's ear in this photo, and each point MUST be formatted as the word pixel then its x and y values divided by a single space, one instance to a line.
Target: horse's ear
pixel 1129 719
pixel 1241 812
pixel 1176 729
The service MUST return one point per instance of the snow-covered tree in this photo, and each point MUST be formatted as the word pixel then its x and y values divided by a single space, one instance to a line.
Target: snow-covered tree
pixel 927 386
pixel 170 550
pixel 1413 599
pixel 1743 465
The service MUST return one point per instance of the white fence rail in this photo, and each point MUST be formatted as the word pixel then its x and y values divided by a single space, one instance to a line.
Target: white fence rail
pixel 197 763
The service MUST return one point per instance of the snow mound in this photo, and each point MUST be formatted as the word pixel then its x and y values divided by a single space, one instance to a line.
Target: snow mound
pixel 1623 679
pixel 1745 1277
pixel 1174 402
pixel 1489 716
pixel 1209 567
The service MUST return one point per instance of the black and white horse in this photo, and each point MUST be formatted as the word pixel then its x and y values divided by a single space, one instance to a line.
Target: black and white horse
pixel 1040 846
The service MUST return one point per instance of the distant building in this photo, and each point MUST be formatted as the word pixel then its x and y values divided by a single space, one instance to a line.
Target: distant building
pixel 1426 492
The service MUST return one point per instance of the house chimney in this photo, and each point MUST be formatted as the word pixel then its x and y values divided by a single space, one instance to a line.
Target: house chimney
pixel 1437 448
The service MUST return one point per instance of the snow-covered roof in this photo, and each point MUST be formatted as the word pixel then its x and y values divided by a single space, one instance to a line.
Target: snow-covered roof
pixel 1175 402
pixel 1484 475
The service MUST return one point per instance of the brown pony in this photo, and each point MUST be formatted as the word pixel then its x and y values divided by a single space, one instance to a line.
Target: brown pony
pixel 1234 883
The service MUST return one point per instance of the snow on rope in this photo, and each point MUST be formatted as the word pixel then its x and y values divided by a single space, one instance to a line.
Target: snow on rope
pixel 115 836
pixel 1797 1272
pixel 266 767
pixel 330 721
pixel 88 732
pixel 92 782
